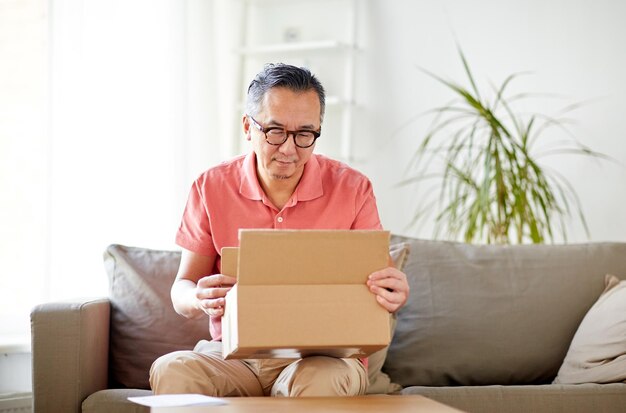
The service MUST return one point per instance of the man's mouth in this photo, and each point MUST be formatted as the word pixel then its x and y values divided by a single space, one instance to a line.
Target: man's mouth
pixel 284 161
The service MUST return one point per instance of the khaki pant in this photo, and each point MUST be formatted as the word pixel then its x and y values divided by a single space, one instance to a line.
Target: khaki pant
pixel 204 371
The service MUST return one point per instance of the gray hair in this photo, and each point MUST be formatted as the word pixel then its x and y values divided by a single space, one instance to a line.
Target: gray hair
pixel 297 79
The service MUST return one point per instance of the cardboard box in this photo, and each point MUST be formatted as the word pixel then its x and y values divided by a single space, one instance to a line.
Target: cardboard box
pixel 303 293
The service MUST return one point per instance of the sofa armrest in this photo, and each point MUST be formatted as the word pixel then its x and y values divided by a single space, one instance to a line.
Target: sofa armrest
pixel 70 350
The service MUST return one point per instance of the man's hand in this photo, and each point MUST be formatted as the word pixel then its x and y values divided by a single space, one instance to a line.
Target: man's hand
pixel 210 292
pixel 391 288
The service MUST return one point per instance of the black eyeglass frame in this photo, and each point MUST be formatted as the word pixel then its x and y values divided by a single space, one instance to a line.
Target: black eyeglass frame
pixel 294 133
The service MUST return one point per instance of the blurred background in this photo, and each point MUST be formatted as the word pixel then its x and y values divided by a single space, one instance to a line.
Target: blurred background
pixel 109 109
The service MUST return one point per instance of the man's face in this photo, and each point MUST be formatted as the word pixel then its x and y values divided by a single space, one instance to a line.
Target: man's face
pixel 290 110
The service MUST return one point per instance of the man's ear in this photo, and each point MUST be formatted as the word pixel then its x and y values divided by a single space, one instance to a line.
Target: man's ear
pixel 246 127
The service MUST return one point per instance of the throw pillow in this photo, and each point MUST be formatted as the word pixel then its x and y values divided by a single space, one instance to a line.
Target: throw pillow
pixel 597 353
pixel 144 325
pixel 379 381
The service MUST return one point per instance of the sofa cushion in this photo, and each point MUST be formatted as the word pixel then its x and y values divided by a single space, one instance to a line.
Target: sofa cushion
pixel 115 401
pixel 144 325
pixel 547 398
pixel 598 351
pixel 480 314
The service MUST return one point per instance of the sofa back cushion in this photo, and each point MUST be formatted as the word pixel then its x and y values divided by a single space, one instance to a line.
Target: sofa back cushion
pixel 481 315
pixel 144 325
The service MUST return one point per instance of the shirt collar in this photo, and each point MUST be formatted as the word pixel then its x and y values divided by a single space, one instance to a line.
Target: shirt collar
pixel 250 187
pixel 309 187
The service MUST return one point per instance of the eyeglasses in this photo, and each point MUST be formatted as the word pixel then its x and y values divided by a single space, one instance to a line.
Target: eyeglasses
pixel 275 135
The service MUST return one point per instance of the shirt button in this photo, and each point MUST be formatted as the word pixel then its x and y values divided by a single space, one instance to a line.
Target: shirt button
pixel 279 219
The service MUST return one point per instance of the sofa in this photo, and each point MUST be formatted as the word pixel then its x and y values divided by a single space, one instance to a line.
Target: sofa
pixel 486 329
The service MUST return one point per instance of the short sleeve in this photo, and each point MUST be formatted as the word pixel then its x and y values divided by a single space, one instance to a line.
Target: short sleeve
pixel 194 232
pixel 366 210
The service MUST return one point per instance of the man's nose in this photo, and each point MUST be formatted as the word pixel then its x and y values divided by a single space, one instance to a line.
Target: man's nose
pixel 289 145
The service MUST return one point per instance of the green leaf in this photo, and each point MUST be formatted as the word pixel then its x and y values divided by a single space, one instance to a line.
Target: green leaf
pixel 491 185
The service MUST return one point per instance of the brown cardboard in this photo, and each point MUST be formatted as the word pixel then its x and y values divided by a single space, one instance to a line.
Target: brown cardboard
pixel 303 292
pixel 229 261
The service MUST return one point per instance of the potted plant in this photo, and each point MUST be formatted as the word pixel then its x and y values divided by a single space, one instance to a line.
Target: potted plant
pixel 492 186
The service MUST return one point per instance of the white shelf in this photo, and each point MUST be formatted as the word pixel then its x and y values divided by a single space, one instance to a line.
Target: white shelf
pixel 333 58
pixel 337 101
pixel 314 46
pixel 334 101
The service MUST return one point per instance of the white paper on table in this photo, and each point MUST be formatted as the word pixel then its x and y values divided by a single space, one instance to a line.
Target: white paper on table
pixel 177 400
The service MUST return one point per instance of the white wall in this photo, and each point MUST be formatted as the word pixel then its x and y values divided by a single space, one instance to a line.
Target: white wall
pixel 136 114
pixel 573 48
pixel 15 372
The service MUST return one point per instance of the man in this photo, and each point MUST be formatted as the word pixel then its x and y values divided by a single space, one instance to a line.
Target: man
pixel 281 184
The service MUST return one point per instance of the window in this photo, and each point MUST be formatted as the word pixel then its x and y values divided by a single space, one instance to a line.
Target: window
pixel 23 160
pixel 101 133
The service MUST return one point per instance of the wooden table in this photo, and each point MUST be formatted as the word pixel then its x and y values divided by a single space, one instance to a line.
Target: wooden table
pixel 361 404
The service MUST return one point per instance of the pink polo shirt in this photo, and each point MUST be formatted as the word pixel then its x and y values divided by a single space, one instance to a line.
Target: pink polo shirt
pixel 330 195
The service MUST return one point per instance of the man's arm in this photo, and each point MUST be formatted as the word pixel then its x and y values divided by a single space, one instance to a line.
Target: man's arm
pixel 390 284
pixel 195 292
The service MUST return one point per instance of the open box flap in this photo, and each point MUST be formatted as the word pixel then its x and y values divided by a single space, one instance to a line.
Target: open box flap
pixel 230 255
pixel 298 257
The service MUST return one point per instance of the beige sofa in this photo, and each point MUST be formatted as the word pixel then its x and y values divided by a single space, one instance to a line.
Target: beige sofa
pixel 486 329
